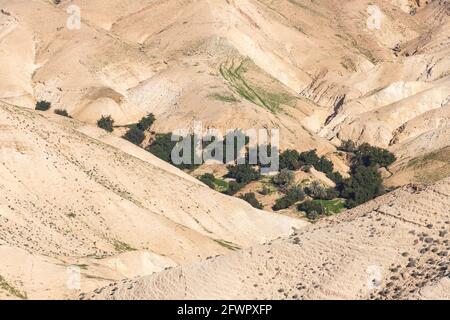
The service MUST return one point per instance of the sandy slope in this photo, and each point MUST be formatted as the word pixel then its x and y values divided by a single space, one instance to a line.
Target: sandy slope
pixel 71 194
pixel 394 247
pixel 315 72
pixel 68 195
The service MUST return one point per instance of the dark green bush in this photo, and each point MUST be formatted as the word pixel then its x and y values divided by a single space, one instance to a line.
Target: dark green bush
pixel 251 198
pixel 162 147
pixel 324 165
pixel 106 123
pixel 134 135
pixel 289 159
pixel 310 158
pixel 146 122
pixel 209 180
pixel 292 196
pixel 243 173
pixel 43 105
pixel 62 112
pixel 348 146
pixel 364 184
pixel 265 190
pixel 292 160
pixel 312 215
pixel 284 179
pixel 317 191
pixel 312 207
pixel 336 177
pixel 368 156
pixel 233 188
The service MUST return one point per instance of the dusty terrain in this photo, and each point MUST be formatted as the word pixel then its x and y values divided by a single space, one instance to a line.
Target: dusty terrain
pixel 395 247
pixel 304 67
pixel 72 195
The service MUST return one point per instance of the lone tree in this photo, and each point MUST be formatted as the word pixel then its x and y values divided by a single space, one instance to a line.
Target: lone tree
pixel 106 123
pixel 43 105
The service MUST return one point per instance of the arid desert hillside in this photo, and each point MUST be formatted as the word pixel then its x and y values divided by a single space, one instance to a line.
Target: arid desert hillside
pixel 73 195
pixel 395 247
pixel 75 198
pixel 318 71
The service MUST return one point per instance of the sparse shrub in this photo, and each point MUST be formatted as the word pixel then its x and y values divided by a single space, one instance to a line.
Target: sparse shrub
pixel 284 179
pixel 348 146
pixel 43 105
pixel 106 123
pixel 62 112
pixel 251 198
pixel 265 190
pixel 134 135
pixel 146 122
pixel 312 215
